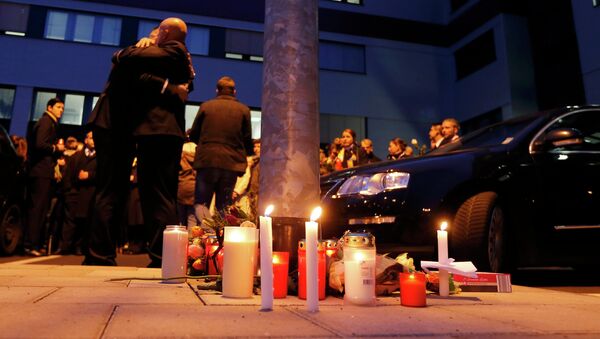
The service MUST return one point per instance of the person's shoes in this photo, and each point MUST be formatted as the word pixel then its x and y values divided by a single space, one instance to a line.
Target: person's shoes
pixel 32 252
pixel 62 251
pixel 93 261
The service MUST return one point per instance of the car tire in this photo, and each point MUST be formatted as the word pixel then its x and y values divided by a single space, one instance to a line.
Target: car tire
pixel 11 230
pixel 479 232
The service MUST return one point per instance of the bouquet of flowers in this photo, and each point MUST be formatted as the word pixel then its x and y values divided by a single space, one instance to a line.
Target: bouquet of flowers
pixel 203 257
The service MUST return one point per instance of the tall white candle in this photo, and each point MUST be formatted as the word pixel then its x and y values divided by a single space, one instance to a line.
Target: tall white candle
pixel 266 261
pixel 312 282
pixel 174 260
pixel 239 261
pixel 442 238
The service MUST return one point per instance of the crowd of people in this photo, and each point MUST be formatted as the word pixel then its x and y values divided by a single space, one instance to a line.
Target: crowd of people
pixel 138 170
pixel 345 151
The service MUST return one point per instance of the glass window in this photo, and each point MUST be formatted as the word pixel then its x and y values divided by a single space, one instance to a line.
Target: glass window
pixel 244 42
pixel 190 115
pixel 7 97
pixel 94 101
pixel 111 31
pixel 255 121
pixel 145 27
pixel 198 40
pixel 84 28
pixel 13 17
pixel 41 99
pixel 56 25
pixel 73 109
pixel 342 57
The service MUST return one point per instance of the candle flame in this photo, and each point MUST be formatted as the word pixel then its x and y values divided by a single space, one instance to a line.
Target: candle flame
pixel 359 256
pixel 444 225
pixel 275 259
pixel 412 276
pixel 269 210
pixel 316 213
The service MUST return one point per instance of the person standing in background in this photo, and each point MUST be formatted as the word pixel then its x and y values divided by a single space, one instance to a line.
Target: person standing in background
pixel 43 152
pixel 223 134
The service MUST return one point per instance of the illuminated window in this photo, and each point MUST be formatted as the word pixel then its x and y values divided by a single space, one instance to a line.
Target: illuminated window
pixel 190 115
pixel 7 97
pixel 88 28
pixel 77 105
pixel 198 40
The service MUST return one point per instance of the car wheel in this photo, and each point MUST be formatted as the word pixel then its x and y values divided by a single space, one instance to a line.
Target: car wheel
pixel 10 229
pixel 478 232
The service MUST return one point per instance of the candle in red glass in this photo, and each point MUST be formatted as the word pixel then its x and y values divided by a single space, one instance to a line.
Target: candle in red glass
pixel 280 274
pixel 302 271
pixel 412 289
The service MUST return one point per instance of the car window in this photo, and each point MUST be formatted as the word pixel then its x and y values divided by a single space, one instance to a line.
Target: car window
pixel 588 123
pixel 503 133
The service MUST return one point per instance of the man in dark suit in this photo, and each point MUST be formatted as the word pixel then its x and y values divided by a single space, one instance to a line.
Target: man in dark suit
pixel 143 105
pixel 43 151
pixel 223 134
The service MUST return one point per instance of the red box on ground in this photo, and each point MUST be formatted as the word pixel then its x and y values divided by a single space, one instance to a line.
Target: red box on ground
pixel 485 282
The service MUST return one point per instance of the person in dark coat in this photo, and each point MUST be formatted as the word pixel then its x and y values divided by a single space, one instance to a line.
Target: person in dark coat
pixel 43 152
pixel 144 104
pixel 223 134
pixel 79 186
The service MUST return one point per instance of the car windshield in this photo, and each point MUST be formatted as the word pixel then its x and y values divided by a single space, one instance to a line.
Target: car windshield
pixel 501 133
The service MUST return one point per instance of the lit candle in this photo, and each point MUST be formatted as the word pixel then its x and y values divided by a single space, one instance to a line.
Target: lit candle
pixel 312 282
pixel 442 238
pixel 239 261
pixel 266 261
pixel 280 274
pixel 412 289
pixel 174 263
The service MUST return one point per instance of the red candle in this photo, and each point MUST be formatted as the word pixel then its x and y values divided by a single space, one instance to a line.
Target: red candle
pixel 302 271
pixel 412 289
pixel 280 274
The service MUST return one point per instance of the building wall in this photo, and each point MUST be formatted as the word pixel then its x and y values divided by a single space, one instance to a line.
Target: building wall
pixel 587 25
pixel 404 88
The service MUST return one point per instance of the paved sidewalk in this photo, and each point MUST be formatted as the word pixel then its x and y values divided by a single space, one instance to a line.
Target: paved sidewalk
pixel 78 301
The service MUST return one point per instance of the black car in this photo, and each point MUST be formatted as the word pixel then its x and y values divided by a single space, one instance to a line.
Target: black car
pixel 12 195
pixel 520 193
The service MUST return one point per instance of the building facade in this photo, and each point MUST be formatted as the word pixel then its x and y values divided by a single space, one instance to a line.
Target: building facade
pixel 388 68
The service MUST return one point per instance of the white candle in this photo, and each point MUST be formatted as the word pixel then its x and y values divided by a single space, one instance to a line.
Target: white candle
pixel 359 273
pixel 239 261
pixel 174 259
pixel 312 282
pixel 442 238
pixel 266 261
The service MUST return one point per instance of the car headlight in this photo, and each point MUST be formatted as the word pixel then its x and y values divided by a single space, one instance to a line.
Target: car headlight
pixel 374 183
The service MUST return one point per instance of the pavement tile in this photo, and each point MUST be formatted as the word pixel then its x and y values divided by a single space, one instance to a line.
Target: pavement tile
pixel 63 282
pixel 15 270
pixel 23 295
pixel 219 300
pixel 535 296
pixel 551 319
pixel 125 272
pixel 122 295
pixel 403 321
pixel 195 321
pixel 52 320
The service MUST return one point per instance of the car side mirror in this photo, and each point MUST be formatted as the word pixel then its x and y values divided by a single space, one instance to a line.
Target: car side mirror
pixel 559 137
